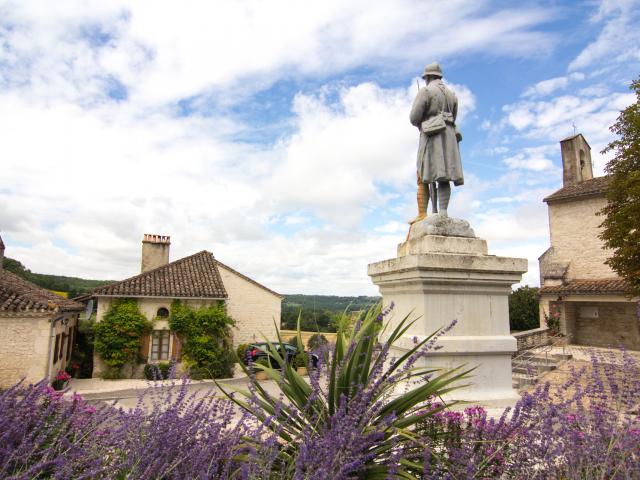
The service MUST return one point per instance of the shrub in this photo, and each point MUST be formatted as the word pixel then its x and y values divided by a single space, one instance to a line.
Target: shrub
pixel 317 341
pixel 206 334
pixel 82 354
pixel 118 336
pixel 241 351
pixel 298 344
pixel 524 310
pixel 157 371
pixel 45 435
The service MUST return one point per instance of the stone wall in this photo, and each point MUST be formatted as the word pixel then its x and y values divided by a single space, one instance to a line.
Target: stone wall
pixel 26 343
pixel 287 334
pixel 574 228
pixel 531 338
pixel 255 310
pixel 616 325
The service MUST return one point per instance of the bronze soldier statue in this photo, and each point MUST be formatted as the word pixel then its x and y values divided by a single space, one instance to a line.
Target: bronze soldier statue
pixel 434 112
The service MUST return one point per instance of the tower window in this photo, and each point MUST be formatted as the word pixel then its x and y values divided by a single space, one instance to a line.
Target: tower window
pixel 162 312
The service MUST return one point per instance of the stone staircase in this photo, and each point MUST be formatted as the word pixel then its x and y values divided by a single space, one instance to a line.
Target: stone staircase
pixel 538 355
pixel 529 367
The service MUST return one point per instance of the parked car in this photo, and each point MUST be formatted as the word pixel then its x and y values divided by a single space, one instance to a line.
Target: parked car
pixel 259 352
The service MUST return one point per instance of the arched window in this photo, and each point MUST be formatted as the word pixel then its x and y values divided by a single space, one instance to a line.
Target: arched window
pixel 162 312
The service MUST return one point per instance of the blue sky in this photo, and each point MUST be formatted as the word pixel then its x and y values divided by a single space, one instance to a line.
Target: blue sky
pixel 276 135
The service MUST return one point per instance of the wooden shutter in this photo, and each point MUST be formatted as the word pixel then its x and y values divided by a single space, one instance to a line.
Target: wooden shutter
pixel 72 337
pixel 144 347
pixel 56 349
pixel 176 349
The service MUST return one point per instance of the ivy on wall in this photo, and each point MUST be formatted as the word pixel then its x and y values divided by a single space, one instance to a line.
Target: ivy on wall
pixel 118 336
pixel 205 334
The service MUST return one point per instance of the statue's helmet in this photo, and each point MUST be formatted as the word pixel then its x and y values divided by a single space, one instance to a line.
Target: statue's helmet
pixel 432 69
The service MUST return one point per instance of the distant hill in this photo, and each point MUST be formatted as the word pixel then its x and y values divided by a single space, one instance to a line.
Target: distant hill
pixel 73 286
pixel 317 312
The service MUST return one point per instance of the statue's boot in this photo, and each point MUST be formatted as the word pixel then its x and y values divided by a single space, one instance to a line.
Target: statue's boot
pixel 444 194
pixel 423 200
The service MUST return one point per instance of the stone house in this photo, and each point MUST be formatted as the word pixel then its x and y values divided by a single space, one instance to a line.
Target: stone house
pixel 196 280
pixel 37 329
pixel 577 287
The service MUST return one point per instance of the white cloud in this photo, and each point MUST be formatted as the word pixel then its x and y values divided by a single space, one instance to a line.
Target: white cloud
pixel 619 39
pixel 547 87
pixel 163 52
pixel 534 158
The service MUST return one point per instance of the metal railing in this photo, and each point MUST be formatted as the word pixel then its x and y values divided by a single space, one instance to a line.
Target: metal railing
pixel 536 356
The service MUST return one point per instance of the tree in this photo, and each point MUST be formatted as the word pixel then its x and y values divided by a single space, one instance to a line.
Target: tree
pixel 524 310
pixel 621 227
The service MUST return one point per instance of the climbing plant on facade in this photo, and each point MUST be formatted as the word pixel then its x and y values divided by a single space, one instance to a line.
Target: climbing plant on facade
pixel 118 336
pixel 205 334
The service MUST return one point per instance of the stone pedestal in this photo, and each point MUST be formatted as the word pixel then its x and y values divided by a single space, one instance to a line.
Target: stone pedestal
pixel 440 278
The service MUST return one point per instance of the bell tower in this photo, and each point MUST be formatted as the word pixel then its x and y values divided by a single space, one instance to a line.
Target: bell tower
pixel 576 160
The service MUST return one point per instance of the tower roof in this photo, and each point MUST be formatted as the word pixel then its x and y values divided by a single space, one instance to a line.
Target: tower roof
pixel 571 137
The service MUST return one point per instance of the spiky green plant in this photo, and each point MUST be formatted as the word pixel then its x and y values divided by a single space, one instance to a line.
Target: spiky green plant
pixel 359 410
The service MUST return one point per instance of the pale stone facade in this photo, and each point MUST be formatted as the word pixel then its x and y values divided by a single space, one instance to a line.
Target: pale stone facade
pixel 255 309
pixel 574 227
pixel 577 286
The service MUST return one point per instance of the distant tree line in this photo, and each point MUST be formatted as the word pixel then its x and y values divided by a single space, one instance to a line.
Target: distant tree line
pixel 74 286
pixel 320 313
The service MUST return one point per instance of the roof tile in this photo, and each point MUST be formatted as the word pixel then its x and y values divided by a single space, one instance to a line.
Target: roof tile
pixel 20 295
pixel 587 287
pixel 593 186
pixel 196 276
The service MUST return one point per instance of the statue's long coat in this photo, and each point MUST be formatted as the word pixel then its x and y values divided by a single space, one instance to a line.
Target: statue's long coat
pixel 439 154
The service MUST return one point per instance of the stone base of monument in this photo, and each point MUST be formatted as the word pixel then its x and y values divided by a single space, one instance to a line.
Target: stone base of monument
pixel 444 273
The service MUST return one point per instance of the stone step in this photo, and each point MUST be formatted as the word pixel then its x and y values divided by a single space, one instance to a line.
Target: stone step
pixel 562 356
pixel 533 366
pixel 520 379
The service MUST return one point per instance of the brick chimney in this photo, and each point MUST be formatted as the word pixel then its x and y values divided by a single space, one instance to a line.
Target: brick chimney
pixel 1 253
pixel 576 160
pixel 155 251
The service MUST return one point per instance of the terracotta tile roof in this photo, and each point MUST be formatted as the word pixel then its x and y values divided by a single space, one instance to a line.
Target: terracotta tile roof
pixel 196 276
pixel 593 186
pixel 20 295
pixel 248 279
pixel 587 287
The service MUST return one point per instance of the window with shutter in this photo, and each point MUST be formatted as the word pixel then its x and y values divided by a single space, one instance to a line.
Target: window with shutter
pixel 160 345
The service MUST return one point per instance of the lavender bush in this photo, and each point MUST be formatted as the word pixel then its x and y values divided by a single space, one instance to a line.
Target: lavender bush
pixel 43 435
pixel 342 423
pixel 357 414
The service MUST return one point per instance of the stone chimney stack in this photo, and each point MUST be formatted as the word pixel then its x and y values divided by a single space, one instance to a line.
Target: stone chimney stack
pixel 1 253
pixel 576 160
pixel 155 251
